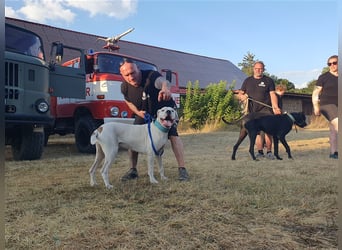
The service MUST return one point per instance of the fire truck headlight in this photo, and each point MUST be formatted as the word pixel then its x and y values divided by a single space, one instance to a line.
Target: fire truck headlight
pixel 124 114
pixel 42 106
pixel 114 111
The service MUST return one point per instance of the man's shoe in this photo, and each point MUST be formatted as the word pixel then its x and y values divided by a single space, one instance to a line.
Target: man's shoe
pixel 334 155
pixel 270 156
pixel 259 155
pixel 183 174
pixel 130 175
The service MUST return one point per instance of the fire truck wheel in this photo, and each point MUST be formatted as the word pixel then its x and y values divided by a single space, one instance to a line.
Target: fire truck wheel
pixel 83 129
pixel 28 145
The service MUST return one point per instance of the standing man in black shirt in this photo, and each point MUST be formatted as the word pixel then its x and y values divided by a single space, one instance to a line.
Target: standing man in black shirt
pixel 260 90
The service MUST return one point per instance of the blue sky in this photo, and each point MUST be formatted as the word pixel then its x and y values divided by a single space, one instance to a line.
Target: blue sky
pixel 293 38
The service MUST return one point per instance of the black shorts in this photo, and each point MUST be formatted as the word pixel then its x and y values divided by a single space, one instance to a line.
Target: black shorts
pixel 172 132
pixel 329 111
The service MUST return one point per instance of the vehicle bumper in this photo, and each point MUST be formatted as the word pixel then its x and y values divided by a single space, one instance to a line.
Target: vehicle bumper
pixel 13 120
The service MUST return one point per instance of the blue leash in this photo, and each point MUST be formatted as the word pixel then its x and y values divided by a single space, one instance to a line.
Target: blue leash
pixel 148 120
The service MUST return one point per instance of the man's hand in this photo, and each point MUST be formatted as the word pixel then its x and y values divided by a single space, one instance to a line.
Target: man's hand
pixel 277 111
pixel 141 113
pixel 164 95
pixel 241 96
pixel 317 110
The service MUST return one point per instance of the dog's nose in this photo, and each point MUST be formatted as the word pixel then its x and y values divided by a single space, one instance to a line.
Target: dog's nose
pixel 168 112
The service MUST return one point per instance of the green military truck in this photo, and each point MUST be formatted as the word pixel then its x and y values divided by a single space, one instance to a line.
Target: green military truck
pixel 29 82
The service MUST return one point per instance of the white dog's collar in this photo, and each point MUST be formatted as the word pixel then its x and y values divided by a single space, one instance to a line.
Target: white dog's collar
pixel 160 127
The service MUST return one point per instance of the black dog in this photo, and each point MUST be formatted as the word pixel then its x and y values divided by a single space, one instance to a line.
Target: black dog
pixel 276 125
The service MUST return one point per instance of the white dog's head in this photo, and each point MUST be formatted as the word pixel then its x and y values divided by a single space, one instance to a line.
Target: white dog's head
pixel 167 116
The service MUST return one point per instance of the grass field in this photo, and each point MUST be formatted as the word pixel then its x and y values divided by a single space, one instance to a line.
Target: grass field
pixel 242 204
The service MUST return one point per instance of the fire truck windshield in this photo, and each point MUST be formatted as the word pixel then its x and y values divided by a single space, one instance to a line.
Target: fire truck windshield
pixel 23 42
pixel 109 63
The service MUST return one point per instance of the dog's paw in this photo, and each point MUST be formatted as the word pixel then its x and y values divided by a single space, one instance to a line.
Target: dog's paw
pixel 164 178
pixel 109 186
pixel 153 181
pixel 93 183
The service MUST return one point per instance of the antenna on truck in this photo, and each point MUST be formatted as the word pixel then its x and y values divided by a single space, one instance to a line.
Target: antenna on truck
pixel 111 42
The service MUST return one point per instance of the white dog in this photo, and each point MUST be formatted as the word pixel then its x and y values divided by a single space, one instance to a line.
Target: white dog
pixel 148 138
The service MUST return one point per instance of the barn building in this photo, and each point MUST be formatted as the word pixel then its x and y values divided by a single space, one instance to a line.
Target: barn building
pixel 190 67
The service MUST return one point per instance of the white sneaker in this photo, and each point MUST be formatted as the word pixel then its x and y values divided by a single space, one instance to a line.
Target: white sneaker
pixel 270 156
pixel 258 155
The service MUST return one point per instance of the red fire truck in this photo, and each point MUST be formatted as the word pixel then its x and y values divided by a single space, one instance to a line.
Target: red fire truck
pixel 104 101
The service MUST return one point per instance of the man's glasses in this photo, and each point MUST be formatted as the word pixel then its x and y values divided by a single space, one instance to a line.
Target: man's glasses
pixel 332 63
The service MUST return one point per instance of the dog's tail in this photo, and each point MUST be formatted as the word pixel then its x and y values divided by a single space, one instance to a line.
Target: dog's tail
pixel 94 135
pixel 232 122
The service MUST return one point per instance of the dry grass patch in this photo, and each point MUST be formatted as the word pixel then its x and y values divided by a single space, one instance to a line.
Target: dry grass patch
pixel 242 204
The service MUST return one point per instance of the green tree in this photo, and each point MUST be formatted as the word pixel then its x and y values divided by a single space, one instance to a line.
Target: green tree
pixel 289 85
pixel 308 89
pixel 247 67
pixel 311 85
pixel 247 64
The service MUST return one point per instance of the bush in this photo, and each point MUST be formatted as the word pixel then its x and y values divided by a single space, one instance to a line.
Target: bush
pixel 203 107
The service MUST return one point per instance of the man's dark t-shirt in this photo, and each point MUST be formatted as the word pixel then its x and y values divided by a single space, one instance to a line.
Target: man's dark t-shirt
pixel 259 90
pixel 145 97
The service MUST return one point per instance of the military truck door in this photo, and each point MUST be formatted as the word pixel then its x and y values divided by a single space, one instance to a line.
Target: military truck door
pixel 67 81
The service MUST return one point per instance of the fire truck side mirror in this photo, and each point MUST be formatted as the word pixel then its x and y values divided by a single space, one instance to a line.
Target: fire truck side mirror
pixel 168 74
pixel 96 68
pixel 59 52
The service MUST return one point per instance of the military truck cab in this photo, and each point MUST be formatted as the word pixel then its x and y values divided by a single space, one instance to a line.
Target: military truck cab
pixel 29 82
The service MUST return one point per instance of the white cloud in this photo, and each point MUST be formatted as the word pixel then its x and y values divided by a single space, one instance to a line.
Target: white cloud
pixel 119 9
pixel 10 12
pixel 44 11
pixel 300 78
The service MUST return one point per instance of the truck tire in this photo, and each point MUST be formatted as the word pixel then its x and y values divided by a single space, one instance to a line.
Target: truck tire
pixel 28 145
pixel 46 136
pixel 84 127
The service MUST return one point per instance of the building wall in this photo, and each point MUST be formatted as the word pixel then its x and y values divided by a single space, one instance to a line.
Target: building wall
pixel 292 105
pixel 297 103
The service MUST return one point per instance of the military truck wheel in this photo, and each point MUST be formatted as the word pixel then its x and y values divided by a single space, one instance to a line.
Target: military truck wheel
pixel 46 136
pixel 83 129
pixel 28 145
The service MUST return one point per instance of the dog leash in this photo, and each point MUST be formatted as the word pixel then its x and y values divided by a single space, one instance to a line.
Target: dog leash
pixel 268 106
pixel 241 117
pixel 147 118
pixel 288 114
pixel 264 104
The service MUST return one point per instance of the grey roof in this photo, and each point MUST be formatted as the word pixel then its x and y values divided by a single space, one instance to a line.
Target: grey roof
pixel 190 67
